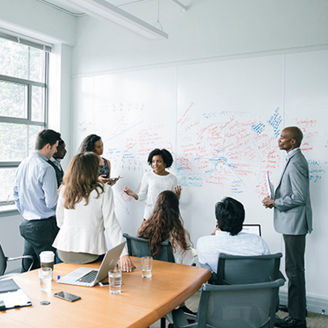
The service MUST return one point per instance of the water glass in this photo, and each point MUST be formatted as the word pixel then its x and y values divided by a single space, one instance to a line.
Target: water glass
pixel 146 266
pixel 115 281
pixel 45 276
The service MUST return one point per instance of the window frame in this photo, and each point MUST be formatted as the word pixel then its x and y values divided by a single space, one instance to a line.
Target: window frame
pixel 7 206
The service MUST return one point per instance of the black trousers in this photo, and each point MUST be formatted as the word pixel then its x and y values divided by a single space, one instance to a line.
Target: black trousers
pixel 39 236
pixel 294 265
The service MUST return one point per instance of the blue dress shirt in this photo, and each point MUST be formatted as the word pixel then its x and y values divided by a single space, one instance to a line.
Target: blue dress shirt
pixel 35 189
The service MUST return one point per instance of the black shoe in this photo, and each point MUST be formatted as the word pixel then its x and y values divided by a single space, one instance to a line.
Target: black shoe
pixel 290 322
pixel 277 321
pixel 283 308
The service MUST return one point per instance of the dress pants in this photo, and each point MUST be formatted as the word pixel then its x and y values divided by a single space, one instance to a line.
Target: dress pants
pixel 294 266
pixel 39 236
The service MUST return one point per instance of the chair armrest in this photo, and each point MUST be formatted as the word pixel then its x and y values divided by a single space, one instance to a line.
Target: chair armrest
pixel 22 257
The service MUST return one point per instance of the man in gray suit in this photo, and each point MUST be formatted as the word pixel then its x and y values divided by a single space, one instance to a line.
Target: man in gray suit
pixel 293 218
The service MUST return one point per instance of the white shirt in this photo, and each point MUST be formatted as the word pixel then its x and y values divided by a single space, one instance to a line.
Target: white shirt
pixel 151 186
pixel 82 229
pixel 182 256
pixel 243 244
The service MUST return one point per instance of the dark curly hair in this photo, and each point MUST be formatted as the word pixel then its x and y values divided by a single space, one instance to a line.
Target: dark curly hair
pixel 230 215
pixel 165 154
pixel 88 143
pixel 165 223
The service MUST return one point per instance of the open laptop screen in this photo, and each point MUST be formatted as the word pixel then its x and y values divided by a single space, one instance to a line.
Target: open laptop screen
pixel 252 228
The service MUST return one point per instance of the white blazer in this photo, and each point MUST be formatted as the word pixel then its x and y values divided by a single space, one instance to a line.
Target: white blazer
pixel 82 229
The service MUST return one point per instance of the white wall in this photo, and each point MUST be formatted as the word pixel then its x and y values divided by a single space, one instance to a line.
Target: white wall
pixel 211 30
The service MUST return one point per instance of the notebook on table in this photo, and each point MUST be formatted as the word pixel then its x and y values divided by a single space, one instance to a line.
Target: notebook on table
pixel 89 277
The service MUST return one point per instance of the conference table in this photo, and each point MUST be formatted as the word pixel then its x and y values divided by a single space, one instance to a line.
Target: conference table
pixel 142 301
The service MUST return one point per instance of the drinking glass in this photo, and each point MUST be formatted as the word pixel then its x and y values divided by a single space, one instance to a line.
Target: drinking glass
pixel 115 281
pixel 146 266
pixel 45 277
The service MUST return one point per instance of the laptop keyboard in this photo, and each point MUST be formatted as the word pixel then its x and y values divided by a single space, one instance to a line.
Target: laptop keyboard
pixel 89 277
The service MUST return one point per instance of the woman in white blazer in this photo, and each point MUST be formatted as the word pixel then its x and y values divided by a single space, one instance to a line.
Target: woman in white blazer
pixel 85 210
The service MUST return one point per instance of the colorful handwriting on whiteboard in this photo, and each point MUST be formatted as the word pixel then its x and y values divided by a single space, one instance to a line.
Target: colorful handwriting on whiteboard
pixel 316 170
pixel 275 121
pixel 258 128
pixel 227 149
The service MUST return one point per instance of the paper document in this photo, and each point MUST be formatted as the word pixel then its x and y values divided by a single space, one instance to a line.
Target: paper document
pixel 269 185
pixel 11 296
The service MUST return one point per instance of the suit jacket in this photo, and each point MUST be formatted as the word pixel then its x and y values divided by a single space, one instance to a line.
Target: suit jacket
pixel 292 205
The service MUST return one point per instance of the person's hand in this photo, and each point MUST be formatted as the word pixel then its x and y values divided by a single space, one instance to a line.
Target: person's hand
pixel 102 178
pixel 131 193
pixel 177 190
pixel 268 202
pixel 113 181
pixel 128 191
pixel 126 264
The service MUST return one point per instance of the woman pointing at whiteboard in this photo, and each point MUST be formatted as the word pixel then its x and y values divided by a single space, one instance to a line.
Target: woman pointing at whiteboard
pixel 156 181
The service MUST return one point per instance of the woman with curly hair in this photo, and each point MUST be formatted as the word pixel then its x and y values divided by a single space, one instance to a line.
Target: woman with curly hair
pixel 85 209
pixel 155 181
pixel 165 223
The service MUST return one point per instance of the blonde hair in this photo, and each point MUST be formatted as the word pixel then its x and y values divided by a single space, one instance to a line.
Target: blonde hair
pixel 81 178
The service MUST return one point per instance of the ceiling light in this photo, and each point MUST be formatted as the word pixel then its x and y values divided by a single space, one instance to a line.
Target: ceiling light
pixel 105 10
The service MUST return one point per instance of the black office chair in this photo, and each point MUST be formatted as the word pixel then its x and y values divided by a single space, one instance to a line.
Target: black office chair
pixel 234 306
pixel 140 247
pixel 4 261
pixel 233 269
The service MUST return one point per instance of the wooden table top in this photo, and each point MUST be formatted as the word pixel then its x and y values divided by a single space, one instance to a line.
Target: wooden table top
pixel 141 303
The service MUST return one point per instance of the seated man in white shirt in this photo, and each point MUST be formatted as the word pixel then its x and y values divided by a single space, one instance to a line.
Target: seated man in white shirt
pixel 228 238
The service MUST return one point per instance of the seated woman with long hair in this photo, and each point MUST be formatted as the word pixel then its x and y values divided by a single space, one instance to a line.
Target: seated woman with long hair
pixel 85 210
pixel 165 223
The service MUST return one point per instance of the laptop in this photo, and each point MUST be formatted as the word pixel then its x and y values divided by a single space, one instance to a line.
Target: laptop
pixel 89 277
pixel 252 228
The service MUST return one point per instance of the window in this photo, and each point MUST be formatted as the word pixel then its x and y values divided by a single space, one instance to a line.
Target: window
pixel 23 105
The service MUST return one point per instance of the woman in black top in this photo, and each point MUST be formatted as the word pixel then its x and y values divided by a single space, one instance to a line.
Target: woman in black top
pixel 94 143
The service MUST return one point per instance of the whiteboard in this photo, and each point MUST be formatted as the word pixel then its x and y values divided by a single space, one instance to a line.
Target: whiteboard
pixel 221 120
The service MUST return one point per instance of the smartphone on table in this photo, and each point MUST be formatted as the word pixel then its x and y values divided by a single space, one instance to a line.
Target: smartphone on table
pixel 67 296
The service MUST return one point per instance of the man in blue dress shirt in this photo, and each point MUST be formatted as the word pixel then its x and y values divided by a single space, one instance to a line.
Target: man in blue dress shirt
pixel 35 195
